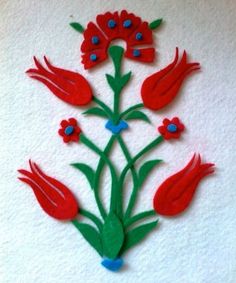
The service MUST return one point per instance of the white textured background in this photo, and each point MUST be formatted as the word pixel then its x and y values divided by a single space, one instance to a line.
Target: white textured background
pixel 199 246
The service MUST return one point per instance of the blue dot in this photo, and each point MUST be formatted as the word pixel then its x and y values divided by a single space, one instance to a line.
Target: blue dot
pixel 172 128
pixel 127 23
pixel 111 24
pixel 95 40
pixel 139 36
pixel 69 130
pixel 136 53
pixel 93 57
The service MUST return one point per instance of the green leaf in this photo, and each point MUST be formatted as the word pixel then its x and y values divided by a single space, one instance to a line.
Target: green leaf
pixel 155 24
pixel 111 81
pixel 146 169
pixel 96 111
pixel 124 79
pixel 138 234
pixel 137 115
pixel 112 236
pixel 88 172
pixel 77 26
pixel 91 235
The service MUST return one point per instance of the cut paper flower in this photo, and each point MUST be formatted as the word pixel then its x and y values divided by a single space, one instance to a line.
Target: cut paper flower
pixel 110 26
pixel 161 88
pixel 69 86
pixel 70 131
pixel 54 197
pixel 118 227
pixel 171 129
pixel 176 192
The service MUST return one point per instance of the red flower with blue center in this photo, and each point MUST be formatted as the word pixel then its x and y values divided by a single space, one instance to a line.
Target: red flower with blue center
pixel 110 26
pixel 171 129
pixel 70 131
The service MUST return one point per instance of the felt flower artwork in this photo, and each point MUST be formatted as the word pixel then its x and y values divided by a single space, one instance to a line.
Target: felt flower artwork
pixel 116 229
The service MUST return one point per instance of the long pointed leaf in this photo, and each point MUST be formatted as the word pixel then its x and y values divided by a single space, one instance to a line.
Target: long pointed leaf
pixel 91 235
pixel 88 172
pixel 112 236
pixel 96 111
pixel 137 115
pixel 136 235
pixel 146 169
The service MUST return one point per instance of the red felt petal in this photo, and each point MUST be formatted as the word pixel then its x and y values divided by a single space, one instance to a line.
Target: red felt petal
pixel 146 54
pixel 146 35
pixel 73 122
pixel 93 30
pixel 88 63
pixel 64 123
pixel 102 20
pixel 136 21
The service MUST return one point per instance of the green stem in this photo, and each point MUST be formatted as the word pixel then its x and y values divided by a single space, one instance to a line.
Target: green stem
pixel 123 114
pixel 104 107
pixel 138 217
pixel 133 160
pixel 133 171
pixel 114 187
pixel 98 175
pixel 92 217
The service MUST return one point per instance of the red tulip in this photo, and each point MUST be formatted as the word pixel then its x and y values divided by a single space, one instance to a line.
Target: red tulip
pixel 69 86
pixel 54 197
pixel 161 88
pixel 176 192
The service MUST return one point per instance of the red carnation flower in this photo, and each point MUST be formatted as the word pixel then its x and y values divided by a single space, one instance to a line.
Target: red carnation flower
pixel 112 26
pixel 70 130
pixel 171 129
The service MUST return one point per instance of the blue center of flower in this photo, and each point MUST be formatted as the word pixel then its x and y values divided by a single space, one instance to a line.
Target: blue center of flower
pixel 139 36
pixel 127 23
pixel 95 40
pixel 136 53
pixel 93 57
pixel 69 130
pixel 111 24
pixel 172 128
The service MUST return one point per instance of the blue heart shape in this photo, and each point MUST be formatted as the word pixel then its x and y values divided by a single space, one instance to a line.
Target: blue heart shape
pixel 112 264
pixel 116 129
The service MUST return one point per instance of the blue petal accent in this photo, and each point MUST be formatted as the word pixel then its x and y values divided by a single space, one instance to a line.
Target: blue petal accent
pixel 111 24
pixel 93 57
pixel 139 36
pixel 69 130
pixel 172 128
pixel 116 129
pixel 127 23
pixel 95 40
pixel 136 53
pixel 112 264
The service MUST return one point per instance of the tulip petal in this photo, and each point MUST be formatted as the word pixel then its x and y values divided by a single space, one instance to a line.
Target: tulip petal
pixel 176 192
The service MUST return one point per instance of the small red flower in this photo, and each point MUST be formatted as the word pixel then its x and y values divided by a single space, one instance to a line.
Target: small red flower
pixel 54 197
pixel 70 130
pixel 162 87
pixel 110 26
pixel 176 192
pixel 69 86
pixel 171 129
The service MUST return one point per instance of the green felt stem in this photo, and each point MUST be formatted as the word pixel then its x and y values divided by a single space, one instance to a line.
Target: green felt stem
pixel 138 217
pixel 117 82
pixel 123 114
pixel 133 171
pixel 130 164
pixel 99 169
pixel 92 217
pixel 104 107
pixel 114 187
